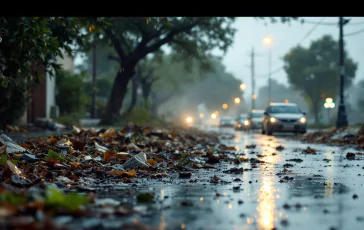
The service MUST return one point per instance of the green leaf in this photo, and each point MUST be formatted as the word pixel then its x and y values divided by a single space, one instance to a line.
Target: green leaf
pixel 145 197
pixel 3 159
pixel 57 199
pixel 54 155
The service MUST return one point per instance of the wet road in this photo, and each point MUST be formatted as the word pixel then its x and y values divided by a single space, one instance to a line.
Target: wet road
pixel 323 191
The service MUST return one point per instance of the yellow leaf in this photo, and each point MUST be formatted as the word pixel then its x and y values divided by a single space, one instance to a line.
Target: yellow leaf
pixel 122 156
pixel 152 162
pixel 75 165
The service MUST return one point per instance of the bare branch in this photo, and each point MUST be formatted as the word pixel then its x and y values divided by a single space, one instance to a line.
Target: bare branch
pixel 119 50
pixel 141 51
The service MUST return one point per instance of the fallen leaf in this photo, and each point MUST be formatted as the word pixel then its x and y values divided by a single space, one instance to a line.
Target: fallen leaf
pixel 115 172
pixel 122 156
pixel 152 162
pixel 78 145
pixel 109 154
pixel 243 159
pixel 75 165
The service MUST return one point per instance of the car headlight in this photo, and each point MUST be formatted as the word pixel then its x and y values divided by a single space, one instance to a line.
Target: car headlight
pixel 246 122
pixel 272 119
pixel 303 120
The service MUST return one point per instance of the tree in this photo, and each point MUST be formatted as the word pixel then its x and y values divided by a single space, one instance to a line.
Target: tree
pixel 134 38
pixel 29 48
pixel 315 71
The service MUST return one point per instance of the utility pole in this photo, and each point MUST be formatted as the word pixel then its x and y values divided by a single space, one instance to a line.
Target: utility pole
pixel 253 78
pixel 93 109
pixel 269 76
pixel 342 120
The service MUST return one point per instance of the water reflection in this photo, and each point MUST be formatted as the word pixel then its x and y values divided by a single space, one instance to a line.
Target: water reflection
pixel 266 207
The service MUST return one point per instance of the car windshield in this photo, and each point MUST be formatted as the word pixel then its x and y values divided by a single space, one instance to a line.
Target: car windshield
pixel 226 120
pixel 284 109
pixel 242 117
pixel 257 115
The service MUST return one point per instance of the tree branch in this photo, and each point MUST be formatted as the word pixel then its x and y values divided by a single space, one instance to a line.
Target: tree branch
pixel 119 50
pixel 143 50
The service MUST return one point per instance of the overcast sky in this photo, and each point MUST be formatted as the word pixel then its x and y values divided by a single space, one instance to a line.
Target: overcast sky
pixel 251 32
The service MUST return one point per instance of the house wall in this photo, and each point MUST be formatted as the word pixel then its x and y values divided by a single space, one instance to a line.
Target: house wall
pixel 44 95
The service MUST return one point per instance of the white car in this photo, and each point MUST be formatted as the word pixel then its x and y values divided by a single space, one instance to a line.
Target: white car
pixel 284 117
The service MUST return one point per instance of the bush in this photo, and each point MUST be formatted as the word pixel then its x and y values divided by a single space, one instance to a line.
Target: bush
pixel 141 116
pixel 71 97
pixel 68 120
pixel 13 101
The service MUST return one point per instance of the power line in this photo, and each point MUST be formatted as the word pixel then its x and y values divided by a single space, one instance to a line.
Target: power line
pixel 334 23
pixel 312 30
pixel 302 39
pixel 354 33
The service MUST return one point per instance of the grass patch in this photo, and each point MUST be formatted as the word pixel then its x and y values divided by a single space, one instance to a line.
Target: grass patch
pixel 141 116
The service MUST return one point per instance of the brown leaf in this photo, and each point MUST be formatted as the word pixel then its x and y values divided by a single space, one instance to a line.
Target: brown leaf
pixel 109 133
pixel 216 178
pixel 198 152
pixel 243 159
pixel 279 148
pixel 109 154
pixel 122 156
pixel 74 165
pixel 115 172
pixel 78 145
pixel 13 168
pixel 152 162
pixel 52 140
pixel 230 148
pixel 158 159
pixel 3 149
pixel 309 151
pixel 25 145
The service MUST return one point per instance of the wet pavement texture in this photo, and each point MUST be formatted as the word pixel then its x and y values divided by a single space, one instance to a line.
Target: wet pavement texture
pixel 291 190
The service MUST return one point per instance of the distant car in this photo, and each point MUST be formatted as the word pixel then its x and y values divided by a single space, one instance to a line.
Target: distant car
pixel 242 122
pixel 255 119
pixel 284 117
pixel 226 122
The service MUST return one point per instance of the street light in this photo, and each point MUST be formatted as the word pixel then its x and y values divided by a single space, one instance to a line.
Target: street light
pixel 225 106
pixel 254 96
pixel 242 86
pixel 213 116
pixel 329 104
pixel 202 115
pixel 237 100
pixel 268 41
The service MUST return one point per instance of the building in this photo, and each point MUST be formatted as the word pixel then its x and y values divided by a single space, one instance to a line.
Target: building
pixel 43 99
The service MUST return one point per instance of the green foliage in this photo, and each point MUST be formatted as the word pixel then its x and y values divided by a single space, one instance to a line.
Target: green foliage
pixel 54 155
pixel 69 120
pixel 103 87
pixel 13 101
pixel 3 159
pixel 315 71
pixel 145 197
pixel 56 199
pixel 71 97
pixel 11 198
pixel 141 116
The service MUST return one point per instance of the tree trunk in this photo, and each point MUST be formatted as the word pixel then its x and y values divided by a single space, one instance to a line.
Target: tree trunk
pixel 118 92
pixel 134 95
pixel 146 91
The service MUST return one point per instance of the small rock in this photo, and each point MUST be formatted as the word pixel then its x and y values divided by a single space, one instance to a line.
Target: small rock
pixel 240 202
pixel 29 158
pixel 185 175
pixel 286 206
pixel 350 156
pixel 326 211
pixel 235 188
pixel 355 196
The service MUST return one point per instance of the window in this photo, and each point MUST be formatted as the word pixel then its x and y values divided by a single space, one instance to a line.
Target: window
pixel 284 109
pixel 257 115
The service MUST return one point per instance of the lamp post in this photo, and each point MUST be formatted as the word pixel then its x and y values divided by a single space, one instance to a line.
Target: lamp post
pixel 268 41
pixel 329 104
pixel 342 120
